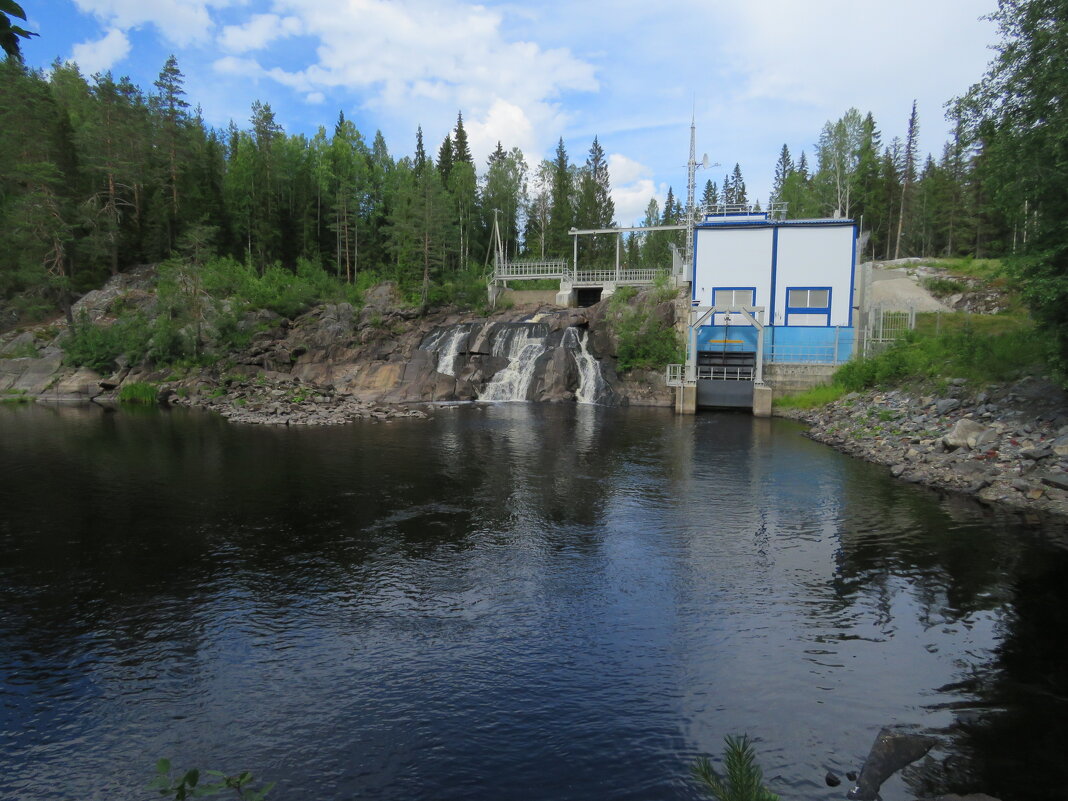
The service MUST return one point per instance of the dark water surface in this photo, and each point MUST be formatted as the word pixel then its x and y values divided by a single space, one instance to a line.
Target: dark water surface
pixel 506 602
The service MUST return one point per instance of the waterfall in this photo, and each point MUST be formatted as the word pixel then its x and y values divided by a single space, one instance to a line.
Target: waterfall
pixel 591 382
pixel 521 345
pixel 446 343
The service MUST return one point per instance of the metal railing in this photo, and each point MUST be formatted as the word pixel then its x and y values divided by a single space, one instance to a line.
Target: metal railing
pixel 802 354
pixel 561 270
pixel 680 375
pixel 520 270
pixel 621 276
pixel 709 373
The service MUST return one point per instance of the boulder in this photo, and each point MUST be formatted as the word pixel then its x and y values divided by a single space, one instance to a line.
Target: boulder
pixel 946 405
pixel 890 752
pixel 82 385
pixel 966 434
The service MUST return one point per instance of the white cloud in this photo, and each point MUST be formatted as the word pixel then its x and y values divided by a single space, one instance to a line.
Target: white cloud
pixel 632 188
pixel 102 54
pixel 420 61
pixel 234 65
pixel 180 22
pixel 260 31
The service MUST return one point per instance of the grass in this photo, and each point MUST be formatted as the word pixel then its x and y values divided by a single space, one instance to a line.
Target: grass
pixel 981 349
pixel 811 398
pixel 138 392
pixel 24 350
pixel 15 396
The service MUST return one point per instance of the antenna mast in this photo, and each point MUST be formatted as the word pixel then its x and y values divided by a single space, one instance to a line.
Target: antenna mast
pixel 691 180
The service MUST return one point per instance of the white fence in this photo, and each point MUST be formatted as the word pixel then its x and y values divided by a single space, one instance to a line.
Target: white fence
pixel 561 270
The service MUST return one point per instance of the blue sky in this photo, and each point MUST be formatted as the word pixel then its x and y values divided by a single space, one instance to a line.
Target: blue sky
pixel 755 75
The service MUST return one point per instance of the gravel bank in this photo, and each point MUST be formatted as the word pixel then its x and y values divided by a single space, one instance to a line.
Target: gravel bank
pixel 1003 444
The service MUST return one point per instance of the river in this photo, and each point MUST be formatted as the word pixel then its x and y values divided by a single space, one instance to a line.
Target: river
pixel 507 601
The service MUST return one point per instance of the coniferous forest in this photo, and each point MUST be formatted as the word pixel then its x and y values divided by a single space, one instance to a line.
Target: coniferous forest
pixel 97 175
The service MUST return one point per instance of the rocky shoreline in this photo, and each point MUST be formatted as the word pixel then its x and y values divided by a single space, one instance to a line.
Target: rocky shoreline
pixel 1005 445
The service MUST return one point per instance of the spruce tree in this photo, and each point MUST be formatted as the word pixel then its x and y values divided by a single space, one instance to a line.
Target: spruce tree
pixel 461 152
pixel 783 167
pixel 445 160
pixel 561 209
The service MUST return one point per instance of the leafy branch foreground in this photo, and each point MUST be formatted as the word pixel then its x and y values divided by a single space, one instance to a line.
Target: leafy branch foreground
pixel 743 780
pixel 187 785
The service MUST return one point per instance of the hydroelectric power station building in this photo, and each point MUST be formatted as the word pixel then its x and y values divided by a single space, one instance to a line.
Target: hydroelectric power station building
pixel 764 291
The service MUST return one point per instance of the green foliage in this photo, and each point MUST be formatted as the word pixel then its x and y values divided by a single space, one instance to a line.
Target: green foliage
pixel 188 784
pixel 463 288
pixel 743 780
pixel 98 346
pixel 138 392
pixel 24 350
pixel 644 341
pixel 962 350
pixel 943 287
pixel 15 396
pixel 811 398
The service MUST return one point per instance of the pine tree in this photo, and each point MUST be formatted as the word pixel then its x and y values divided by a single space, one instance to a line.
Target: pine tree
pixel 908 173
pixel 170 108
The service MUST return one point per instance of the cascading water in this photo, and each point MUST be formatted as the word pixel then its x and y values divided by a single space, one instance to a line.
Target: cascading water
pixel 460 350
pixel 446 343
pixel 521 344
pixel 591 383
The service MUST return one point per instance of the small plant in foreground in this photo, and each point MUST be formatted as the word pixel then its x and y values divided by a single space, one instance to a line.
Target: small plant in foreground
pixel 743 780
pixel 187 785
pixel 138 392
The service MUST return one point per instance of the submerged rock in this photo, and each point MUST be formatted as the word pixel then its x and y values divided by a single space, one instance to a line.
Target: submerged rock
pixel 890 752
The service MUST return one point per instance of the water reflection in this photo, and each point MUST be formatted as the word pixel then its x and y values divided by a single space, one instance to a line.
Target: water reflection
pixel 504 601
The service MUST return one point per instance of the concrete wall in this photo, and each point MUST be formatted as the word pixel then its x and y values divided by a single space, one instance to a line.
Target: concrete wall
pixel 785 379
pixel 530 297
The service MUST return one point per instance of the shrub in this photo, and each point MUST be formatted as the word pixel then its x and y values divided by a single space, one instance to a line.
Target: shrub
pixel 962 350
pixel 644 341
pixel 943 287
pixel 98 346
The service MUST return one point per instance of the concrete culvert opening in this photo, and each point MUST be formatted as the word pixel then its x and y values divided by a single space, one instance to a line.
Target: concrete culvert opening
pixel 588 296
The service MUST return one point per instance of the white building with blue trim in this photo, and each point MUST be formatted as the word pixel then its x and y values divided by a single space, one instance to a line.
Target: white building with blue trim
pixel 765 290
pixel 802 272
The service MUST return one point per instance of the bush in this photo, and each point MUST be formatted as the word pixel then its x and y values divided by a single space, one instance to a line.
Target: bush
pixel 644 342
pixel 961 351
pixel 98 347
pixel 943 287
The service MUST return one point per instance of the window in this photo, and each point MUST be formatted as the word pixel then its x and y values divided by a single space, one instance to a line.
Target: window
pixel 809 305
pixel 809 299
pixel 733 297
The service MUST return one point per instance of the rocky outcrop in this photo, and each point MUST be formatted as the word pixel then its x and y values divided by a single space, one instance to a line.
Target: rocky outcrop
pixel 1004 444
pixel 377 356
